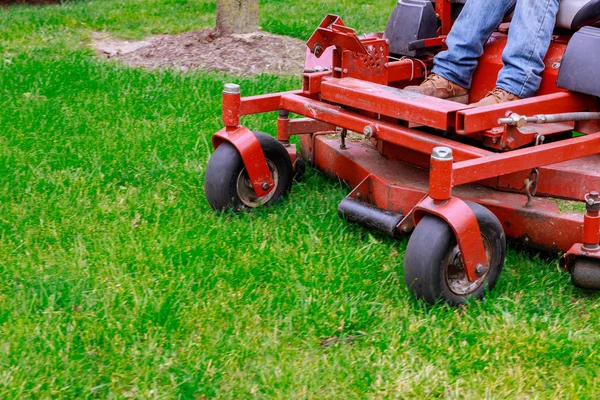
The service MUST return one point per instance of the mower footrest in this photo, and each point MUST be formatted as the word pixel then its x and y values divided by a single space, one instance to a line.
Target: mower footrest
pixel 392 102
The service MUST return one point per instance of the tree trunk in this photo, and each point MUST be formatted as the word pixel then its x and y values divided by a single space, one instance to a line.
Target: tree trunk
pixel 237 16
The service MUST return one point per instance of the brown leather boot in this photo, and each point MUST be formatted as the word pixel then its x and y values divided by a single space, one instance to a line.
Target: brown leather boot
pixel 441 88
pixel 496 96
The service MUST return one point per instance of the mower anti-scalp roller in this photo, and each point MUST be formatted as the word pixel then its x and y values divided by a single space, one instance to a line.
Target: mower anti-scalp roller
pixel 460 179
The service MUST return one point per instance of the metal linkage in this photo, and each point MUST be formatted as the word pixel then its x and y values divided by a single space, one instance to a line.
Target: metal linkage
pixel 531 186
pixel 517 120
pixel 531 182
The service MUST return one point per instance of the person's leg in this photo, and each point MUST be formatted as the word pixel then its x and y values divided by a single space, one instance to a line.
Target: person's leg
pixel 528 41
pixel 470 32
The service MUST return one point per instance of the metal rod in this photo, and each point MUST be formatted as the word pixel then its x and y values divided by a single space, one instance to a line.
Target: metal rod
pixel 520 120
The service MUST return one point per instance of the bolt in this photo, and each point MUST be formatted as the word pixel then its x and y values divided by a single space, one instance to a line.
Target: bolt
pixel 592 200
pixel 265 186
pixel 481 270
pixel 317 50
pixel 405 228
pixel 442 153
pixel 345 71
pixel 520 120
pixel 556 65
pixel 231 88
pixel 368 131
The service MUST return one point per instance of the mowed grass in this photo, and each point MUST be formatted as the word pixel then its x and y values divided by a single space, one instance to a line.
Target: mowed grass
pixel 118 281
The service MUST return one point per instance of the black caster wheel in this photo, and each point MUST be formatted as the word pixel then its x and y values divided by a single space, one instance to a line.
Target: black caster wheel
pixel 299 168
pixel 585 273
pixel 226 182
pixel 433 267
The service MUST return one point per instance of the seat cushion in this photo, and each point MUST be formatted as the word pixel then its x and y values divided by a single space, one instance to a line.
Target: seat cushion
pixel 573 14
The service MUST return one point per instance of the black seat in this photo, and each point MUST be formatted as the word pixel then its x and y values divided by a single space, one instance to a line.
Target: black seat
pixel 574 14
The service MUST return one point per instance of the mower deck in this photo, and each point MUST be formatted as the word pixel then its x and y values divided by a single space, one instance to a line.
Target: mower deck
pixel 397 187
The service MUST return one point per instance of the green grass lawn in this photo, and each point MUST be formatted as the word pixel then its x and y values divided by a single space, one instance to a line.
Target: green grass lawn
pixel 117 280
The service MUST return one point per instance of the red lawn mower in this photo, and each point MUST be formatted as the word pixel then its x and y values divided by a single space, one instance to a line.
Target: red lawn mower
pixel 457 178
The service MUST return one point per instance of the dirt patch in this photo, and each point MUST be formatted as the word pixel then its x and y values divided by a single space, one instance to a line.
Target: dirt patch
pixel 247 54
pixel 6 3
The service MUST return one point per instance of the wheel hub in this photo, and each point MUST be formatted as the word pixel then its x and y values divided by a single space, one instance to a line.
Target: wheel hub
pixel 455 274
pixel 245 191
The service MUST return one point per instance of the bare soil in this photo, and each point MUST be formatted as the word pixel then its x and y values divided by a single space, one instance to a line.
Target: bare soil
pixel 247 54
pixel 4 3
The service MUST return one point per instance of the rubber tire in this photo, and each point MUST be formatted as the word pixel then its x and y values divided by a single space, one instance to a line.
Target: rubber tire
pixel 585 273
pixel 299 168
pixel 220 180
pixel 430 244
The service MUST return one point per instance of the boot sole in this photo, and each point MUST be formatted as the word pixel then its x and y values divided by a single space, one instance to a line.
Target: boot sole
pixel 464 99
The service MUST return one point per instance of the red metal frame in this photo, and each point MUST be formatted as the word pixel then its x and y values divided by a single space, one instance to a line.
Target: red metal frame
pixel 361 91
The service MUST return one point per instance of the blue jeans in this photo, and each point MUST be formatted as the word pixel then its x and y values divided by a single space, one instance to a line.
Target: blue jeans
pixel 528 41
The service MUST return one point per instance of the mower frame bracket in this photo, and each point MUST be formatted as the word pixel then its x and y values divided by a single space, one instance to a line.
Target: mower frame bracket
pixel 577 252
pixel 333 32
pixel 246 143
pixel 463 223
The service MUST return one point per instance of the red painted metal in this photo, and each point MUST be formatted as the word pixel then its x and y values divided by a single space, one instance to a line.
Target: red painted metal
pixel 416 140
pixel 370 66
pixel 231 109
pixel 333 32
pixel 591 228
pixel 587 127
pixel 311 84
pixel 459 216
pixel 518 160
pixel 512 137
pixel 444 12
pixel 396 103
pixel 312 62
pixel 591 233
pixel 568 180
pixel 263 103
pixel 254 159
pixel 283 127
pixel 405 71
pixel 440 179
pixel 578 251
pixel 433 42
pixel 301 126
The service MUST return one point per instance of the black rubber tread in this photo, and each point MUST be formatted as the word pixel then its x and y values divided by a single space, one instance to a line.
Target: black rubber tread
pixel 585 273
pixel 299 168
pixel 429 245
pixel 225 165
